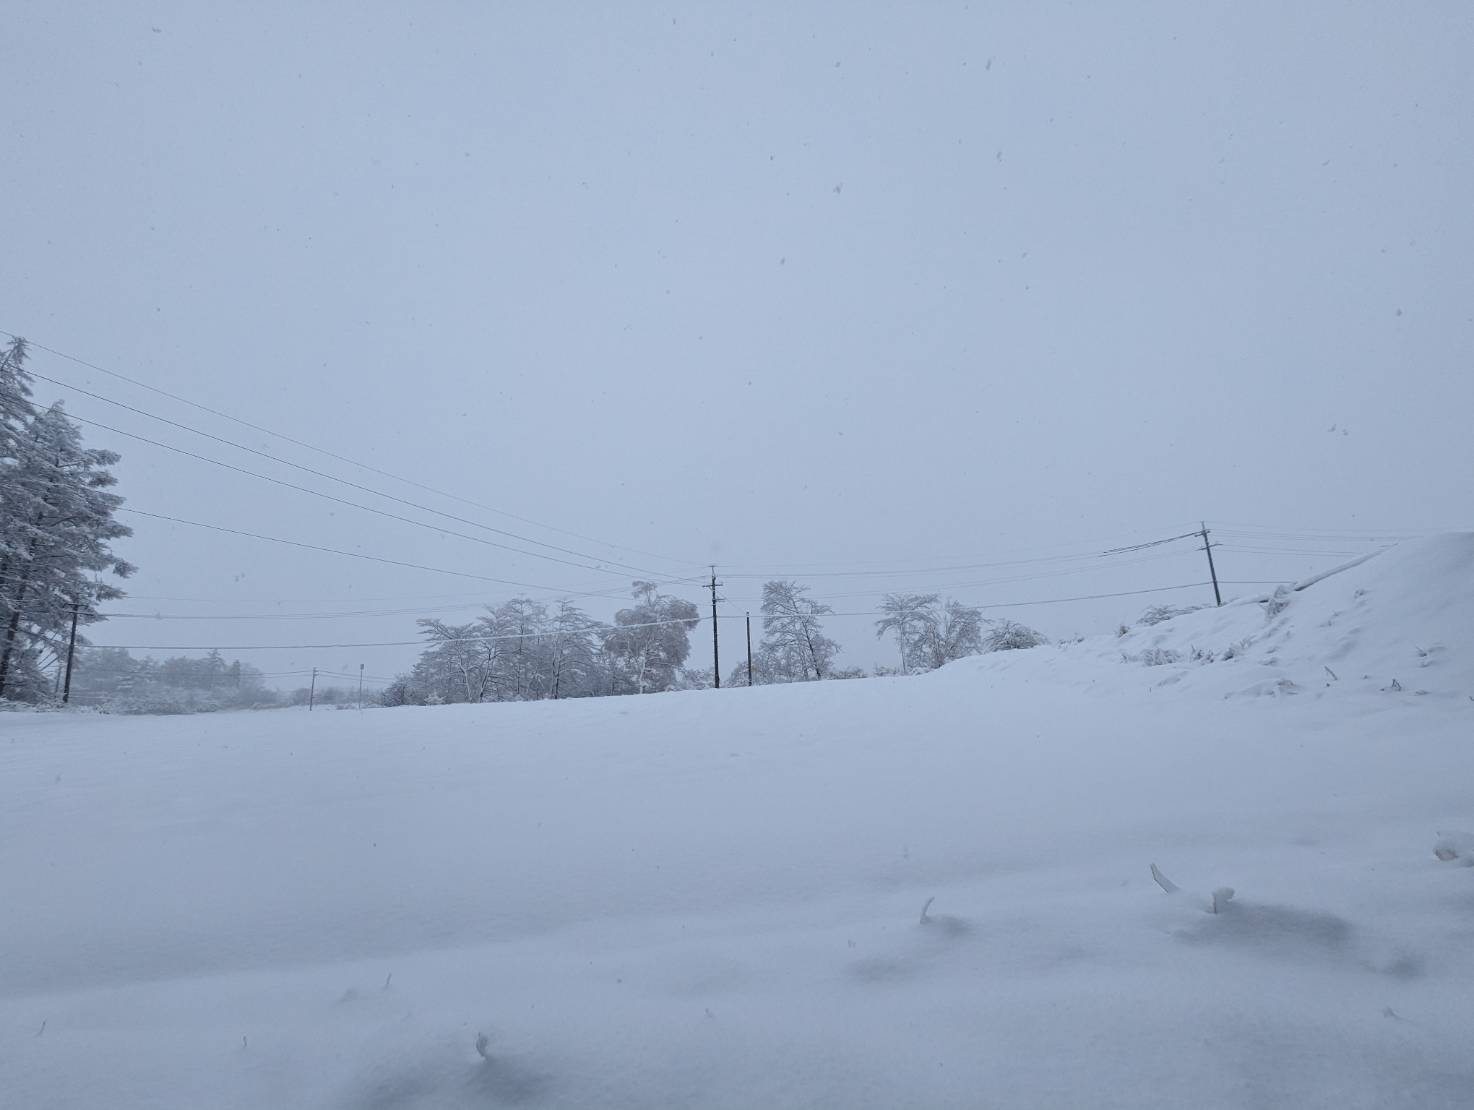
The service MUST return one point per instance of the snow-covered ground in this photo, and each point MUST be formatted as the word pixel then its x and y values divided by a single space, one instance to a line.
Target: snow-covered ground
pixel 715 899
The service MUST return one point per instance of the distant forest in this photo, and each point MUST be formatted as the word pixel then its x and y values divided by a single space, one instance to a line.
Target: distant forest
pixel 113 680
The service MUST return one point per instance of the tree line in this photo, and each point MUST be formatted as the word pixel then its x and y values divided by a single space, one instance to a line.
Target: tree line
pixel 526 650
pixel 56 532
pixel 112 680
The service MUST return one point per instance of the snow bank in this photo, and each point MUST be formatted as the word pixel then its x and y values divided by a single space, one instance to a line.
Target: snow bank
pixel 1395 623
pixel 716 899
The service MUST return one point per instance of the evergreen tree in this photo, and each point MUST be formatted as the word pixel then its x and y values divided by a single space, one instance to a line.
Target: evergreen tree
pixel 56 527
pixel 15 394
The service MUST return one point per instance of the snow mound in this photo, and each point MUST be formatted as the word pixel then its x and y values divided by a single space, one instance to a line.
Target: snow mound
pixel 1395 623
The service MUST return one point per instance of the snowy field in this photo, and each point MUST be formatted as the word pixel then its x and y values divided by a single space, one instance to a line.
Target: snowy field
pixel 715 899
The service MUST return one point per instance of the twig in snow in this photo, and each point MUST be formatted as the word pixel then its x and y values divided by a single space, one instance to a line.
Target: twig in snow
pixel 483 1045
pixel 925 920
pixel 1162 881
pixel 1334 676
pixel 386 981
pixel 43 1027
pixel 1216 901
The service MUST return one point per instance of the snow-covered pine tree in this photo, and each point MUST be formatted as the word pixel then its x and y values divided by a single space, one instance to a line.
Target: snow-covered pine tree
pixel 56 527
pixel 15 395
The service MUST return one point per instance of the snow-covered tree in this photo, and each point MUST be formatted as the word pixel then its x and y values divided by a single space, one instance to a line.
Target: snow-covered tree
pixel 519 627
pixel 1006 635
pixel 956 632
pixel 930 632
pixel 794 647
pixel 56 530
pixel 649 641
pixel 912 618
pixel 15 395
pixel 572 653
pixel 459 664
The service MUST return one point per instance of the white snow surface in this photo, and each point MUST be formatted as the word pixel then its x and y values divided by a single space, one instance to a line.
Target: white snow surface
pixel 714 899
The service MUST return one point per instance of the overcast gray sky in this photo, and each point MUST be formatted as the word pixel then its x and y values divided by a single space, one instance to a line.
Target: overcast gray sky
pixel 784 287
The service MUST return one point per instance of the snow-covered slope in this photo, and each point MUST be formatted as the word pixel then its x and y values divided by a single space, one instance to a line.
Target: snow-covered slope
pixel 715 899
pixel 1399 622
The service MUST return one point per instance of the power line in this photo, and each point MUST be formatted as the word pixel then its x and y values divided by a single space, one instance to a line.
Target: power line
pixel 1280 550
pixel 348 554
pixel 937 588
pixel 1328 533
pixel 291 616
pixel 308 470
pixel 1024 604
pixel 346 502
pixel 333 455
pixel 799 570
pixel 424 643
pixel 350 614
pixel 480 604
pixel 975 566
pixel 470 599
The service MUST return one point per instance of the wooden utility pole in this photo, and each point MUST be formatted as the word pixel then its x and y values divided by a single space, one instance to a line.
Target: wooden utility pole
pixel 749 649
pixel 312 690
pixel 66 690
pixel 716 655
pixel 360 687
pixel 1212 570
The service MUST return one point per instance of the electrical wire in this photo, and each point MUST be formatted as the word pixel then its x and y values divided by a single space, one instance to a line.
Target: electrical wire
pixel 340 551
pixel 973 566
pixel 1327 533
pixel 1009 580
pixel 350 504
pixel 333 455
pixel 1280 551
pixel 423 643
pixel 308 470
pixel 1018 604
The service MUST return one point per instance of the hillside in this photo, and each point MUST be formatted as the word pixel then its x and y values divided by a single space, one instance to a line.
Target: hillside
pixel 716 899
pixel 1396 622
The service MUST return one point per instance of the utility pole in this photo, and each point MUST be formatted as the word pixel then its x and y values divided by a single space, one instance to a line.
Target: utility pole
pixel 1213 571
pixel 716 656
pixel 66 691
pixel 360 687
pixel 749 649
pixel 312 690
